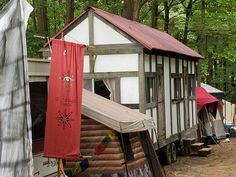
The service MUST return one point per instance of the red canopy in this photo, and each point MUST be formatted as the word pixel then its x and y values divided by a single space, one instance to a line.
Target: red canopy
pixel 203 97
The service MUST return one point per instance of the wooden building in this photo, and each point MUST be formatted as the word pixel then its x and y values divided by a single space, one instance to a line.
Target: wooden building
pixel 139 67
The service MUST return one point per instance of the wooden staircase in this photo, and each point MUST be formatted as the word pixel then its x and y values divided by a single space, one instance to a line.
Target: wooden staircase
pixel 191 147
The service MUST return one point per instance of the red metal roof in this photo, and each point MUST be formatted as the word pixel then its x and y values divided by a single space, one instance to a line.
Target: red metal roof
pixel 149 37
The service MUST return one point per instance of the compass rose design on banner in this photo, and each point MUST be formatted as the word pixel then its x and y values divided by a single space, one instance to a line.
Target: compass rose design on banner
pixel 67 78
pixel 64 119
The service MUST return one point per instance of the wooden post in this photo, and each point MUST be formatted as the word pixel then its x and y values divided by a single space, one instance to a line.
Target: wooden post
pixel 151 155
pixel 142 95
pixel 91 40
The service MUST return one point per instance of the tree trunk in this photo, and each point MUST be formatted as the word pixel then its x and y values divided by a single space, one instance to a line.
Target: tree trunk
pixel 41 16
pixel 210 68
pixel 131 9
pixel 155 14
pixel 34 17
pixel 188 12
pixel 69 10
pixel 167 18
pixel 202 34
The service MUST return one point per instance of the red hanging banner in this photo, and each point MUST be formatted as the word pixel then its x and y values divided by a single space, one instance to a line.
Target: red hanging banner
pixel 62 133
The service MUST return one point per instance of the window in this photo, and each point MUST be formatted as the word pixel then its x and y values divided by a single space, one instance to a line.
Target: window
pixel 177 88
pixel 192 85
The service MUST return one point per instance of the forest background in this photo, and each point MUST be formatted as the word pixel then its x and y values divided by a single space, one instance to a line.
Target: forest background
pixel 207 26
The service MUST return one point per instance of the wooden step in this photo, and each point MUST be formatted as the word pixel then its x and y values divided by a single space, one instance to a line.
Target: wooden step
pixel 204 151
pixel 196 146
pixel 189 141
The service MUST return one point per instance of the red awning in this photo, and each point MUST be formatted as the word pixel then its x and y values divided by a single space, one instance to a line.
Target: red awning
pixel 203 97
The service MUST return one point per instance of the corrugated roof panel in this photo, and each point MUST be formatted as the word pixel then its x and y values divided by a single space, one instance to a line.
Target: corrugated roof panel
pixel 114 115
pixel 149 37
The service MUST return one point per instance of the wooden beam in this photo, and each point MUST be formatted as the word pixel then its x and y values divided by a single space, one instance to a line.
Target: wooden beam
pixel 91 27
pixel 112 49
pixel 151 105
pixel 151 155
pixel 117 90
pixel 91 41
pixel 107 75
pixel 107 49
pixel 142 95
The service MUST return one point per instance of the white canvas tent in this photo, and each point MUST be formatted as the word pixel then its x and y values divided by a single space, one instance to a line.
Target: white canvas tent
pixel 114 115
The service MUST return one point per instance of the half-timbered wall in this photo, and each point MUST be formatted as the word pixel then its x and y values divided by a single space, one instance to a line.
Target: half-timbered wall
pixel 161 86
pixel 108 57
pixel 105 34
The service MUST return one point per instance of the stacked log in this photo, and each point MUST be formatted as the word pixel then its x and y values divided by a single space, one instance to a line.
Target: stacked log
pixel 111 160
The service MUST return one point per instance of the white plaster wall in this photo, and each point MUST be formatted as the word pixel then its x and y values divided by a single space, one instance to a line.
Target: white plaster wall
pixel 167 96
pixel 173 69
pixel 190 114
pixel 159 59
pixel 174 119
pixel 185 63
pixel 189 67
pixel 181 116
pixel 129 89
pixel 180 65
pixel 148 112
pixel 153 63
pixel 104 34
pixel 146 63
pixel 182 87
pixel 194 113
pixel 193 67
pixel 172 88
pixel 79 34
pixel 116 63
pixel 86 64
pixel 154 113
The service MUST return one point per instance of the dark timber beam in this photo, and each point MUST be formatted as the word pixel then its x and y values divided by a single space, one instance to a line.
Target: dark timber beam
pixel 112 49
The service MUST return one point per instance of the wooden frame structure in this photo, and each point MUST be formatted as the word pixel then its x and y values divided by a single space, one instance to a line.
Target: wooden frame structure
pixel 154 81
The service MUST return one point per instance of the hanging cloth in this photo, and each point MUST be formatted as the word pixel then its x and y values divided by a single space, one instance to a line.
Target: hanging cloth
pixel 62 132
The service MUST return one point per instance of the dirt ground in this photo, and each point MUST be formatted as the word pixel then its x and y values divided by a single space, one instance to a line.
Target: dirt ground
pixel 220 163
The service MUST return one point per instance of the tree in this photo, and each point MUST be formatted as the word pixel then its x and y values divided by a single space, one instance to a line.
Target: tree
pixel 132 7
pixel 41 16
pixel 188 4
pixel 70 10
pixel 155 5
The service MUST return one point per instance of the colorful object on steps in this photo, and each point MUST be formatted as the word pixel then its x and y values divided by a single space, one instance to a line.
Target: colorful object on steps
pixel 84 164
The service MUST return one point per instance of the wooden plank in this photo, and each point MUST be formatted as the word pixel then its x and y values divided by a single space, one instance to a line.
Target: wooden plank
pixel 91 27
pixel 132 106
pixel 106 49
pixel 91 41
pixel 151 155
pixel 109 75
pixel 170 87
pixel 117 90
pixel 142 94
pixel 151 105
pixel 112 49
